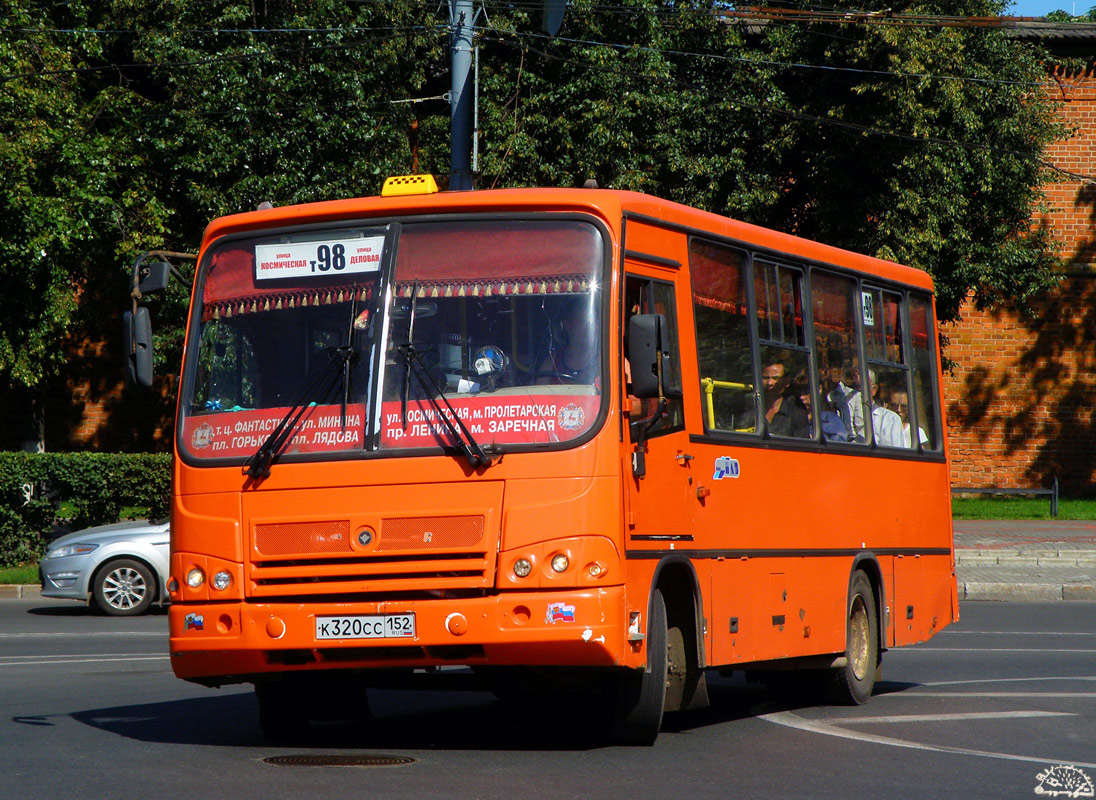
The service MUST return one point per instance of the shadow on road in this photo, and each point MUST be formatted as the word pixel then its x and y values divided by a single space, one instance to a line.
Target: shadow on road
pixel 425 720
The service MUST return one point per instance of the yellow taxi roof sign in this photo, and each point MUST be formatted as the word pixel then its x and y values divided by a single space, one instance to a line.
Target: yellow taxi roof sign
pixel 399 185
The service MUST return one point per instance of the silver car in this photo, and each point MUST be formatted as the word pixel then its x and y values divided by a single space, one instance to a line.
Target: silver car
pixel 122 568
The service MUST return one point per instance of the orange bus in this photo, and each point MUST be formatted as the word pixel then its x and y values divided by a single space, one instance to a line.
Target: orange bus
pixel 547 432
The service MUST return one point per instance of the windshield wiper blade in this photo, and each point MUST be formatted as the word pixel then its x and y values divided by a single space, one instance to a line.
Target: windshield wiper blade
pixel 321 387
pixel 466 443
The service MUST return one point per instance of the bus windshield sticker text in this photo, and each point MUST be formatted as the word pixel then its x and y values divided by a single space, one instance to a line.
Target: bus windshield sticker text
pixel 241 433
pixel 725 467
pixel 510 419
pixel 318 259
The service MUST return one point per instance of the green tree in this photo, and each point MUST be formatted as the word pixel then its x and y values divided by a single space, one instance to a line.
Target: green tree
pixel 126 125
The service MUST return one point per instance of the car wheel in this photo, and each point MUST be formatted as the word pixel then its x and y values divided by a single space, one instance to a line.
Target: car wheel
pixel 124 588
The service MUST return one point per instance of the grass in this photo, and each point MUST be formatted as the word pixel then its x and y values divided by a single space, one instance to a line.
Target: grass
pixel 25 574
pixel 1020 507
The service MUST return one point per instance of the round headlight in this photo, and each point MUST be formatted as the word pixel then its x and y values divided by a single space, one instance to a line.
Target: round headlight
pixel 522 567
pixel 222 580
pixel 560 562
pixel 594 569
pixel 195 578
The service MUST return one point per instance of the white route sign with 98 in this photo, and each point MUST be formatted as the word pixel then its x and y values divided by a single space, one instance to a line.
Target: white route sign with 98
pixel 318 259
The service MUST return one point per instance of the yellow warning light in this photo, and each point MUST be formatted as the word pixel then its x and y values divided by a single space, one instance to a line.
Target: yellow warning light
pixel 399 185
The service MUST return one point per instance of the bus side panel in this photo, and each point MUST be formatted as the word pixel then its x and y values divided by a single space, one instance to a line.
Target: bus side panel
pixel 923 590
pixel 766 608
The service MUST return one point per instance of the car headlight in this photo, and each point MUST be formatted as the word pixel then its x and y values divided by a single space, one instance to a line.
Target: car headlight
pixel 72 550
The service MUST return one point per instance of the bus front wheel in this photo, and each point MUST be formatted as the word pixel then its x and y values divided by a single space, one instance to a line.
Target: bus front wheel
pixel 641 696
pixel 855 681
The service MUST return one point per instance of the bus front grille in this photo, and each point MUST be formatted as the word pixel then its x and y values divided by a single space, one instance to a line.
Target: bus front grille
pixel 407 554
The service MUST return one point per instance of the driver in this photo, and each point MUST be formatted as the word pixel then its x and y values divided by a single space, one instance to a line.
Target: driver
pixel 576 359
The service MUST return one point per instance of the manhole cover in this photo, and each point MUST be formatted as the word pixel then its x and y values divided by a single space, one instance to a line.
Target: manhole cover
pixel 339 761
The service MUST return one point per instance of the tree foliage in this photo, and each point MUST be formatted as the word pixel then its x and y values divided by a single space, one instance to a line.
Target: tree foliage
pixel 126 125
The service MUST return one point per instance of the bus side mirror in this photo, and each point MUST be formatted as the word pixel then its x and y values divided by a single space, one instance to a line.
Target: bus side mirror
pixel 137 337
pixel 647 354
pixel 154 277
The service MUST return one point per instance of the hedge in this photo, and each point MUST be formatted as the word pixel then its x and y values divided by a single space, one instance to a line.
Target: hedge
pixel 96 486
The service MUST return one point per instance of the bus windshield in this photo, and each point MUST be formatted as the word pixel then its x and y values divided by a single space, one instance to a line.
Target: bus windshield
pixel 367 339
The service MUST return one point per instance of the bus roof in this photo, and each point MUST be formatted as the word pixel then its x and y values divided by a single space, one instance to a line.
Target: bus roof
pixel 611 205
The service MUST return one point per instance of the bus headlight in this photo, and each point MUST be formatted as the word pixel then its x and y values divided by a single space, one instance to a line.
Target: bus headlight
pixel 195 578
pixel 522 567
pixel 222 580
pixel 560 562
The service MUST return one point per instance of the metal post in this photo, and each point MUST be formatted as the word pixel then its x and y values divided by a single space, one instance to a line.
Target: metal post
pixel 461 30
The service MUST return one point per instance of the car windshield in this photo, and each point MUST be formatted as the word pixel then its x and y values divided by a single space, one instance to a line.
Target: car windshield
pixel 368 339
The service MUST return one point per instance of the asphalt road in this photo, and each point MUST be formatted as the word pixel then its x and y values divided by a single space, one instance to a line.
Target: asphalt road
pixel 995 706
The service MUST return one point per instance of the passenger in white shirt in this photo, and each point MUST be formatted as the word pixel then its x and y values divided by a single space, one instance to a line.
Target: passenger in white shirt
pixel 900 405
pixel 885 424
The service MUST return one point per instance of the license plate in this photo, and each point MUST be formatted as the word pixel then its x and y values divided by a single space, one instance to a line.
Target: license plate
pixel 366 626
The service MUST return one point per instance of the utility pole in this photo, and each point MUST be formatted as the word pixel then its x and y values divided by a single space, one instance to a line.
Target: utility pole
pixel 461 32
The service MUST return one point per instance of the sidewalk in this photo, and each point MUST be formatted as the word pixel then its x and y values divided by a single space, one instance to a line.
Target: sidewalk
pixel 994 560
pixel 1026 559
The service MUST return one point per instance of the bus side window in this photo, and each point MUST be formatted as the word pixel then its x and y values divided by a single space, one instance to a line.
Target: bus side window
pixel 649 296
pixel 923 411
pixel 888 372
pixel 833 302
pixel 724 354
pixel 785 354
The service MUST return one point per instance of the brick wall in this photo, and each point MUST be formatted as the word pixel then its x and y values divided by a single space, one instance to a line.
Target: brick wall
pixel 1022 399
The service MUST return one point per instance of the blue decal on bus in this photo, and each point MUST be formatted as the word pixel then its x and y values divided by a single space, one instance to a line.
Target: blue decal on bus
pixel 725 467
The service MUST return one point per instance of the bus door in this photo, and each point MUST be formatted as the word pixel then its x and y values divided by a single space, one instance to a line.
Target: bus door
pixel 660 477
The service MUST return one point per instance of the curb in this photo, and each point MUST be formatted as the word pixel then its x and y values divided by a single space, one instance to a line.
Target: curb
pixel 19 591
pixel 1026 592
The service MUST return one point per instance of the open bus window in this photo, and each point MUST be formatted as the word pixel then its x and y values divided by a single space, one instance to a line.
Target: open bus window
pixel 724 354
pixel 839 404
pixel 923 411
pixel 785 356
pixel 888 374
pixel 503 321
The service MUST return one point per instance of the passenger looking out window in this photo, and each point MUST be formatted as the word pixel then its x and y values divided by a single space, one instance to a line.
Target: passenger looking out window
pixel 785 415
pixel 886 425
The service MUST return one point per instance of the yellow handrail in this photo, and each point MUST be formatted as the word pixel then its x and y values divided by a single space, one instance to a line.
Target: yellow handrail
pixel 710 385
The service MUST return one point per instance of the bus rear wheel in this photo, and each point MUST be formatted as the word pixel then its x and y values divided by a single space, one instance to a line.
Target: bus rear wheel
pixel 641 696
pixel 855 681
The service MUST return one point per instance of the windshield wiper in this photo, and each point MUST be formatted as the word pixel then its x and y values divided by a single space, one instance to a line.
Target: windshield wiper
pixel 321 388
pixel 466 443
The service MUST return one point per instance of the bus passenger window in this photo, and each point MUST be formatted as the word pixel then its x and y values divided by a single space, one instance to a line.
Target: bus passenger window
pixel 778 294
pixel 923 411
pixel 785 414
pixel 888 373
pixel 836 344
pixel 724 355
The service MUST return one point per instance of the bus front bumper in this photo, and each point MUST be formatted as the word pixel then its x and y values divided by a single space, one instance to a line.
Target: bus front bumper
pixel 229 642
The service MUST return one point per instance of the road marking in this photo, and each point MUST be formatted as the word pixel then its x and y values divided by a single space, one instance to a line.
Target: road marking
pixel 953 632
pixel 1013 680
pixel 790 720
pixel 108 659
pixel 899 718
pixel 992 650
pixel 74 635
pixel 992 694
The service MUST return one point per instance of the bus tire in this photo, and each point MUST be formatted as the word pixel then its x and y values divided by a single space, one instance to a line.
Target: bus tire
pixel 854 682
pixel 641 695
